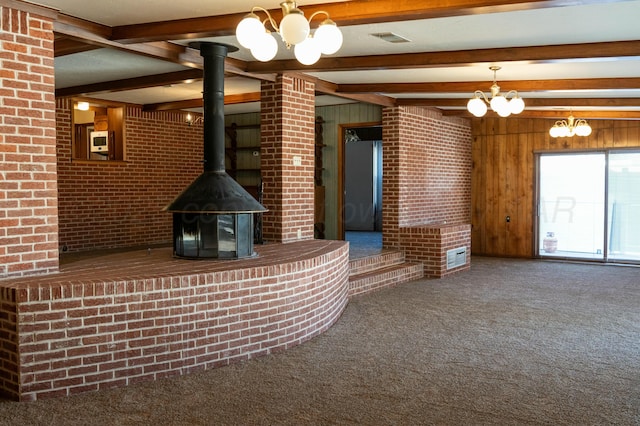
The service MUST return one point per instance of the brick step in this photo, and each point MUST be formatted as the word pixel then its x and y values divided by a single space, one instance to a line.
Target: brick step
pixel 371 263
pixel 386 276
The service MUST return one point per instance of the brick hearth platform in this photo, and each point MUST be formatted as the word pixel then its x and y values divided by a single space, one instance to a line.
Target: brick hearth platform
pixel 121 318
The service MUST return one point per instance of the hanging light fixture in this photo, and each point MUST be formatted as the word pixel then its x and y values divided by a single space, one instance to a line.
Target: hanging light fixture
pixel 499 102
pixel 294 29
pixel 570 127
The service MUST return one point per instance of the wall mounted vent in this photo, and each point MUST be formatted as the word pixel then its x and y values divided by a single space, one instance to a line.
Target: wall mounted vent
pixel 456 257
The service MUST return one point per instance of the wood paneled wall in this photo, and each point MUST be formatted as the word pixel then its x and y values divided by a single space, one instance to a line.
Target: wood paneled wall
pixel 334 117
pixel 503 175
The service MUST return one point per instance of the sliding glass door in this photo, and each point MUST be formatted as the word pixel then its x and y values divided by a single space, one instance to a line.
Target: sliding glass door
pixel 571 207
pixel 589 206
pixel 624 206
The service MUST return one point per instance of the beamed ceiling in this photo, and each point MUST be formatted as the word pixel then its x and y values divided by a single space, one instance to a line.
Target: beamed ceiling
pixel 561 56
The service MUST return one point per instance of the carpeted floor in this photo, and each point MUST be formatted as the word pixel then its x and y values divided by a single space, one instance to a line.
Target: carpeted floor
pixel 363 243
pixel 511 342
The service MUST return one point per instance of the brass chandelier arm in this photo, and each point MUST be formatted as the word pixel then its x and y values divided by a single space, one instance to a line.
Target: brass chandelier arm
pixel 513 93
pixel 480 95
pixel 272 21
pixel 314 14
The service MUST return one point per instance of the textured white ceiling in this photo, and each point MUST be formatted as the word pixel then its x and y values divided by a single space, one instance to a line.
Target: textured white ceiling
pixel 579 23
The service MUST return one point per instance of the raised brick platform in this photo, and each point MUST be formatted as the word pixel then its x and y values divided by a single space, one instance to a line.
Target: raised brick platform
pixel 123 318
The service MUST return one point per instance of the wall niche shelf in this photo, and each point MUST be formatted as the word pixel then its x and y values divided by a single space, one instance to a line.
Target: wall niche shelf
pixel 242 149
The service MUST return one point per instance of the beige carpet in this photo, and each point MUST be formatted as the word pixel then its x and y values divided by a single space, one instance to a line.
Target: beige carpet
pixel 511 342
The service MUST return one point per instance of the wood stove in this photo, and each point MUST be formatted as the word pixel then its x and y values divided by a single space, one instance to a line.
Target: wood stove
pixel 213 217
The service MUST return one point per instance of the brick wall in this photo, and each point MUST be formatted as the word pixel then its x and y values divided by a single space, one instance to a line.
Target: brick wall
pixel 99 326
pixel 106 204
pixel 287 158
pixel 28 204
pixel 426 183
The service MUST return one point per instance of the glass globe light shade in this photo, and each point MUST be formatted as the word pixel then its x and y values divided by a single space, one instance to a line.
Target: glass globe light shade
pixel 583 129
pixel 477 107
pixel 329 37
pixel 562 131
pixel 554 132
pixel 294 28
pixel 265 47
pixel 248 30
pixel 500 105
pixel 504 112
pixel 516 105
pixel 307 52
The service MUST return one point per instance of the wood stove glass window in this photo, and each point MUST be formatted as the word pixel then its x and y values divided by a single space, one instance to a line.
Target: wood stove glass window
pixel 209 235
pixel 98 131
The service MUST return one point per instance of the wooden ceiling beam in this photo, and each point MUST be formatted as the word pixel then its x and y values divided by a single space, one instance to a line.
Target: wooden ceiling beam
pixel 241 98
pixel 471 86
pixel 328 88
pixel 198 103
pixel 531 54
pixel 177 77
pixel 65 46
pixel 355 12
pixel 530 102
pixel 99 36
pixel 93 36
pixel 559 115
pixel 173 106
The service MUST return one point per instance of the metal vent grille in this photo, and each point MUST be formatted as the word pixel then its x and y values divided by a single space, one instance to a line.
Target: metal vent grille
pixel 391 37
pixel 456 257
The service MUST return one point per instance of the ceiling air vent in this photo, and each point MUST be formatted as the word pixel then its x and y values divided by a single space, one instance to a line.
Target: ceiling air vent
pixel 391 37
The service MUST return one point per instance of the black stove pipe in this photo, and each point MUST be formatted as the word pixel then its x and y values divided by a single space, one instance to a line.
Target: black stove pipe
pixel 214 191
pixel 213 103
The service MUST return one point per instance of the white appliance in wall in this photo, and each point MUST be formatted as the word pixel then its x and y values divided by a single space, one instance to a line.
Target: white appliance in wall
pixel 100 141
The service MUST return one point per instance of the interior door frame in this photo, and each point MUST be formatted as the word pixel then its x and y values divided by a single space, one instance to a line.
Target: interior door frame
pixel 341 168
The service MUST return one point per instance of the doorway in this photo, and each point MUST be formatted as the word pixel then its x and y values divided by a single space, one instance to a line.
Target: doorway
pixel 361 217
pixel 587 205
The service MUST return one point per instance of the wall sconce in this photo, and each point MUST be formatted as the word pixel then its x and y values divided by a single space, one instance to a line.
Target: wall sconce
pixel 499 103
pixel 570 127
pixel 294 30
pixel 190 120
pixel 82 106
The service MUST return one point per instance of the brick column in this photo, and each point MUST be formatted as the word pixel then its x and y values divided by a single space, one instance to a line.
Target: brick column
pixel 287 158
pixel 391 177
pixel 426 185
pixel 28 176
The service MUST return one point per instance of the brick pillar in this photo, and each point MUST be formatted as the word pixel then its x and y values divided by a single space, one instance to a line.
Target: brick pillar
pixel 28 176
pixel 287 158
pixel 392 166
pixel 426 185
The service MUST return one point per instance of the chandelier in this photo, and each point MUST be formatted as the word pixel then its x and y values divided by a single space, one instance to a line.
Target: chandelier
pixel 570 127
pixel 499 103
pixel 294 29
